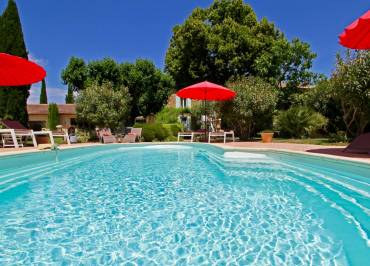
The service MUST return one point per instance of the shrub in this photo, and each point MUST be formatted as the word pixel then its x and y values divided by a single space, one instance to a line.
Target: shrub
pixel 339 136
pixel 53 116
pixel 173 129
pixel 103 105
pixel 153 132
pixel 299 121
pixel 170 115
pixel 171 138
pixel 83 136
pixel 252 108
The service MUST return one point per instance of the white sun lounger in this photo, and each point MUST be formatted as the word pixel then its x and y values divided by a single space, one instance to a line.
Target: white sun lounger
pixel 188 134
pixel 224 134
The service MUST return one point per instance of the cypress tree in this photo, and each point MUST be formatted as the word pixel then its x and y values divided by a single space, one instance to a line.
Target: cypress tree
pixel 69 97
pixel 53 116
pixel 43 95
pixel 13 100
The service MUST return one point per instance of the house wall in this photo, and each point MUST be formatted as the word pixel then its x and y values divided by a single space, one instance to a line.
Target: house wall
pixel 64 120
pixel 177 102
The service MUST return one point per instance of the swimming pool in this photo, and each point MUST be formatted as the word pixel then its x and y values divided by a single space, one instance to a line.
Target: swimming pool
pixel 183 205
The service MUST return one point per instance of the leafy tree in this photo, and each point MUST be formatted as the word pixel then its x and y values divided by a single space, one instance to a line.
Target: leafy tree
pixel 226 40
pixel 53 116
pixel 148 86
pixel 69 97
pixel 252 108
pixel 106 70
pixel 13 100
pixel 43 95
pixel 75 74
pixel 351 87
pixel 299 121
pixel 320 98
pixel 103 105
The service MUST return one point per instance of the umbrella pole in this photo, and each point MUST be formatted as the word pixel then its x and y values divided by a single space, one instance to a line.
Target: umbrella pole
pixel 205 118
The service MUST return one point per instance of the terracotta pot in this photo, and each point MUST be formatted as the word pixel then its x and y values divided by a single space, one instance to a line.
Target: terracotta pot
pixel 42 139
pixel 267 137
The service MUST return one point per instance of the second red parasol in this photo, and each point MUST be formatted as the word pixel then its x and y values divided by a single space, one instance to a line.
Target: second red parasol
pixel 17 71
pixel 357 34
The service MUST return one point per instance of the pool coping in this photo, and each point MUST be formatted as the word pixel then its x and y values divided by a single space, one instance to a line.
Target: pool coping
pixel 218 145
pixel 305 153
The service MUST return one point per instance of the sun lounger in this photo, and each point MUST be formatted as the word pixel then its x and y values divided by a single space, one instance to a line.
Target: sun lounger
pixel 133 136
pixel 14 134
pixel 361 144
pixel 137 132
pixel 191 134
pixel 62 134
pixel 105 136
pixel 223 134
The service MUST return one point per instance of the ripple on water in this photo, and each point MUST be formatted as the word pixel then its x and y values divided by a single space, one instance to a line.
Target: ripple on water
pixel 157 208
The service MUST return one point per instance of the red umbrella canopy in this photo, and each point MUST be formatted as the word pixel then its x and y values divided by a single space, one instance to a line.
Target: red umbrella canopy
pixel 206 91
pixel 17 71
pixel 357 35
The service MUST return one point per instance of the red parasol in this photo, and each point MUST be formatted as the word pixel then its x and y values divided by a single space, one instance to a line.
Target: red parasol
pixel 357 35
pixel 17 71
pixel 206 91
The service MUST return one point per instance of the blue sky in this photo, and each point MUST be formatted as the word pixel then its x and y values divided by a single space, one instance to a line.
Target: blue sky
pixel 125 30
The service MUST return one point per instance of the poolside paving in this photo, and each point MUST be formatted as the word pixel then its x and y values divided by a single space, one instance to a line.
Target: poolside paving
pixel 319 150
pixel 327 151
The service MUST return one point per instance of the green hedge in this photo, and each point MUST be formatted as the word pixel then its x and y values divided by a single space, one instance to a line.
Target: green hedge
pixel 159 132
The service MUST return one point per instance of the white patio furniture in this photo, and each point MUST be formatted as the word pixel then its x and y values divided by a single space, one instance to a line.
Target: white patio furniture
pixel 184 135
pixel 63 134
pixel 13 137
pixel 223 134
pixel 43 133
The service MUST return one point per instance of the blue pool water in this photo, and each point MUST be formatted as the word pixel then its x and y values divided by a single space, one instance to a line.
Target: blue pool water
pixel 182 205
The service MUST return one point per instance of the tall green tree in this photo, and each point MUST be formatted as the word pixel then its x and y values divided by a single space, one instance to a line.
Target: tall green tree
pixel 105 70
pixel 226 40
pixel 53 116
pixel 75 74
pixel 69 97
pixel 43 94
pixel 13 100
pixel 149 87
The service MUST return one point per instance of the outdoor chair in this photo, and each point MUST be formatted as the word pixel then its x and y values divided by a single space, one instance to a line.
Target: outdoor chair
pixel 105 136
pixel 21 132
pixel 223 134
pixel 61 133
pixel 7 141
pixel 133 135
pixel 193 135
pixel 137 132
pixel 219 133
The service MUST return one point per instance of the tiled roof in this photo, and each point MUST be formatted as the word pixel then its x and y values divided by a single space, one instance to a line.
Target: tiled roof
pixel 42 109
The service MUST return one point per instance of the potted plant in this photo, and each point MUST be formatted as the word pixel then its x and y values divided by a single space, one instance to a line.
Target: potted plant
pixel 267 135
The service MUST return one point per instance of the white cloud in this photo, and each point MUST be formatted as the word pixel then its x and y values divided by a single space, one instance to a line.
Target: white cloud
pixel 55 95
pixel 39 61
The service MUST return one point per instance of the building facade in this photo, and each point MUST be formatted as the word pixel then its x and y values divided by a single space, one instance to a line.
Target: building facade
pixel 38 115
pixel 177 102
